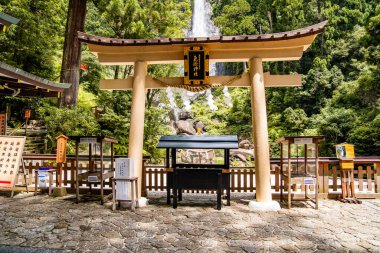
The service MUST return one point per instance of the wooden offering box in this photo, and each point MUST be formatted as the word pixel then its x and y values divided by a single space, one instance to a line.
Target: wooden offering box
pixel 197 176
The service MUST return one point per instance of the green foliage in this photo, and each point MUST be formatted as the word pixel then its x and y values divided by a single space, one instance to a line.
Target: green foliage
pixel 67 121
pixel 340 96
pixel 34 44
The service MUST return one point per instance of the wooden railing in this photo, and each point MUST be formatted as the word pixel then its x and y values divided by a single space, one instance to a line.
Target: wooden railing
pixel 367 178
pixel 367 175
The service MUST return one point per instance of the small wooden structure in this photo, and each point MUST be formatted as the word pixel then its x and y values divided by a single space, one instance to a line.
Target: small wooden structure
pixel 93 176
pixel 346 154
pixel 197 176
pixel 302 170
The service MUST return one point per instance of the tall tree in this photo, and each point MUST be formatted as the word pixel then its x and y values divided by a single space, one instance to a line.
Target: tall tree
pixel 72 51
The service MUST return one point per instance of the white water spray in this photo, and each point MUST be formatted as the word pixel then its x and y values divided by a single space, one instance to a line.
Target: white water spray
pixel 210 101
pixel 227 96
pixel 186 100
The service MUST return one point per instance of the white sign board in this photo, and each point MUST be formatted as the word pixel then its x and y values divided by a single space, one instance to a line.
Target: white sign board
pixel 303 140
pixel 11 149
pixel 308 181
pixel 124 169
pixel 88 140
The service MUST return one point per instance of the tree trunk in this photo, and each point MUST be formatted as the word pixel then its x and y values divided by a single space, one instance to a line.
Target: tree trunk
pixel 72 51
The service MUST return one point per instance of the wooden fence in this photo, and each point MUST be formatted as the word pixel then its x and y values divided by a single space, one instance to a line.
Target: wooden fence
pixel 367 175
pixel 367 178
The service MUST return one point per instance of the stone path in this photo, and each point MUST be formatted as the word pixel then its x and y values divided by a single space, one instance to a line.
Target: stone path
pixel 45 224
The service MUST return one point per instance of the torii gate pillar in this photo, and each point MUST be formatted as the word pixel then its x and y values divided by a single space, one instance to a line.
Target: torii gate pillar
pixel 260 138
pixel 136 132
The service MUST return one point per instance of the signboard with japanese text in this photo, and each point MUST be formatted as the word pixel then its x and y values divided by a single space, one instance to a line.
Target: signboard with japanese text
pixel 11 149
pixel 196 65
pixel 61 148
pixel 124 169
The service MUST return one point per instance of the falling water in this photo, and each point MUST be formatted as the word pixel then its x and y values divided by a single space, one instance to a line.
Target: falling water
pixel 202 26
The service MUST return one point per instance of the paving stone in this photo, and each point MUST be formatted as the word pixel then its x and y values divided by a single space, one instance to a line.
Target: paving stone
pixel 305 245
pixel 194 227
pixel 289 247
pixel 117 242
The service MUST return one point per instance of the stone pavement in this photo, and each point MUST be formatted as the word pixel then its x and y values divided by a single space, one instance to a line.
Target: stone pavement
pixel 46 224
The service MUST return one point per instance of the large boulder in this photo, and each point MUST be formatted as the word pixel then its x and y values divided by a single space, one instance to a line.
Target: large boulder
pixel 185 127
pixel 246 144
pixel 197 156
pixel 242 154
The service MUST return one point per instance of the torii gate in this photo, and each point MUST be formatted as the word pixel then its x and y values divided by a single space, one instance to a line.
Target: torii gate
pixel 255 49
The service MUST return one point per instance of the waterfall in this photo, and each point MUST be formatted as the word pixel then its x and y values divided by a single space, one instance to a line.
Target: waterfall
pixel 202 26
pixel 201 23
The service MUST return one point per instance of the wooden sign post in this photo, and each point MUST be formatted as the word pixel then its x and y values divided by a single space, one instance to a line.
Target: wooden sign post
pixel 61 155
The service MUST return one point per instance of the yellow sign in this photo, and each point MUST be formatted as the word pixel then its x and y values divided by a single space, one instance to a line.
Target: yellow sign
pixel 196 65
pixel 346 164
pixel 345 150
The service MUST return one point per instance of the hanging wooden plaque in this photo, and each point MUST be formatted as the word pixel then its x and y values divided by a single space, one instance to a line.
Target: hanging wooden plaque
pixel 3 123
pixel 196 65
pixel 28 112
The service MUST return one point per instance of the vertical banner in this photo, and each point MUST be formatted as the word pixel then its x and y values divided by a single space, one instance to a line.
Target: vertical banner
pixel 11 149
pixel 196 61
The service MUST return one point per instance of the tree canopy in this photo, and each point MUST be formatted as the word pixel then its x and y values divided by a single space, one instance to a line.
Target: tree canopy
pixel 340 96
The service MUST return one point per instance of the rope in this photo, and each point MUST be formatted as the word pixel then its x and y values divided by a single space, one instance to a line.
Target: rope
pixel 200 87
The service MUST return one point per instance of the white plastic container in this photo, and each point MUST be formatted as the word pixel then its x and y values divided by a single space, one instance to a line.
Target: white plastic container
pixel 43 177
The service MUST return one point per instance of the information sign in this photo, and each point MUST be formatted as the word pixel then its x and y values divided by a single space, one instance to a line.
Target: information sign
pixel 345 150
pixel 88 140
pixel 11 149
pixel 303 140
pixel 123 169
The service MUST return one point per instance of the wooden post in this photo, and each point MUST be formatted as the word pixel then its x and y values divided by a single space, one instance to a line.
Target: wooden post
pixel 136 132
pixel 260 131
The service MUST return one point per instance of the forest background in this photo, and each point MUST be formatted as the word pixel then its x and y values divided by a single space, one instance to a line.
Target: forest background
pixel 340 96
